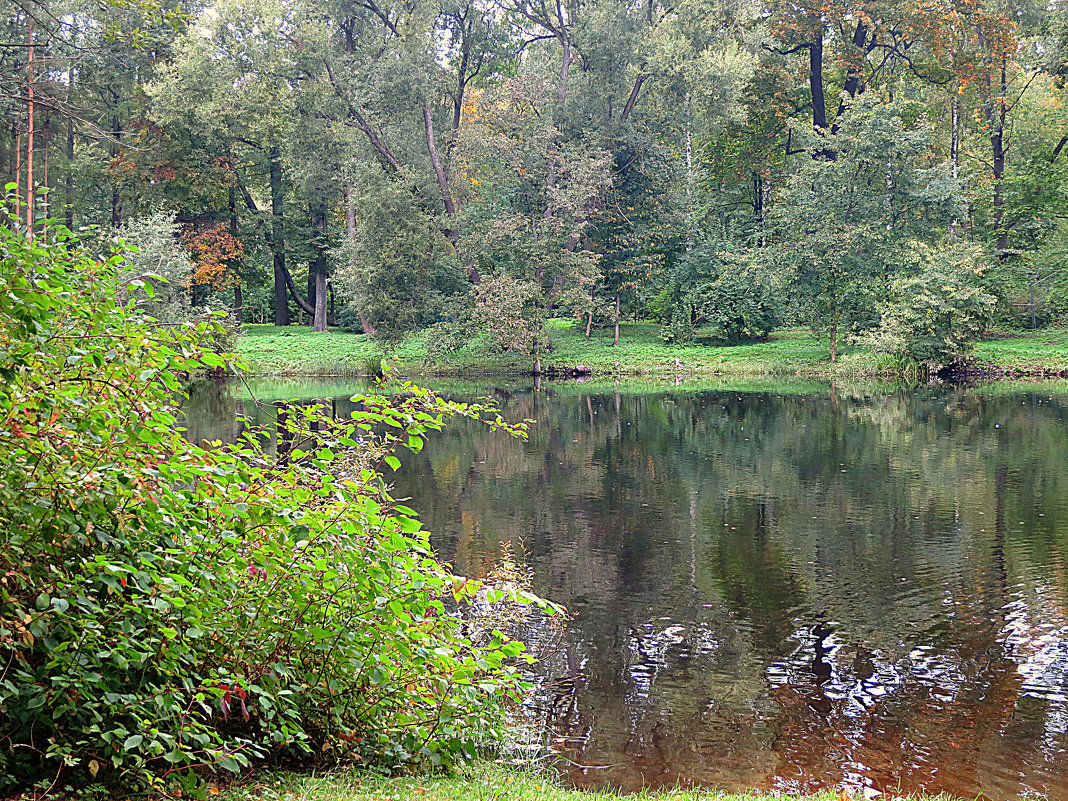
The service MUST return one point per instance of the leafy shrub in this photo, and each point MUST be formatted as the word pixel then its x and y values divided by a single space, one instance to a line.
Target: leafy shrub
pixel 168 610
pixel 733 298
pixel 935 315
pixel 156 274
pixel 513 316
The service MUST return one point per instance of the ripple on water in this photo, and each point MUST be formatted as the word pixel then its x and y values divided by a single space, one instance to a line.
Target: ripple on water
pixel 787 590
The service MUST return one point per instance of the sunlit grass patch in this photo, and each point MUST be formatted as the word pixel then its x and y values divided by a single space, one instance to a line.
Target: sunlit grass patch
pixel 294 350
pixel 1029 352
pixel 484 783
pixel 297 351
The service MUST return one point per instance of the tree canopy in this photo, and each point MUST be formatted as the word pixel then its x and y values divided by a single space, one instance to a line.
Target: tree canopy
pixel 392 166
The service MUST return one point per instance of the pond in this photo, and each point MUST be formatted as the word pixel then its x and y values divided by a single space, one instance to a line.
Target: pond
pixel 790 586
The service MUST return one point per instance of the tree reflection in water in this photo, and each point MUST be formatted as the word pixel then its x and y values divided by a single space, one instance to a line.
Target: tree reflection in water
pixel 788 589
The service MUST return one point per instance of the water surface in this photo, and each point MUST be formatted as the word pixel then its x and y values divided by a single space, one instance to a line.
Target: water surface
pixel 789 587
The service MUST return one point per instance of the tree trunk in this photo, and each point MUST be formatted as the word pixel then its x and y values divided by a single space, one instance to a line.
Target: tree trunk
pixel 589 323
pixel 278 240
pixel 819 102
pixel 758 199
pixel 451 232
pixel 1057 150
pixel 18 180
pixel 565 67
pixel 320 324
pixel 954 140
pixel 45 179
pixel 834 342
pixel 615 339
pixel 1034 323
pixel 632 99
pixel 815 82
pixel 69 177
pixel 317 269
pixel 29 144
pixel 852 82
pixel 996 113
pixel 18 169
pixel 303 305
pixel 690 177
pixel 997 147
pixel 116 198
pixel 350 229
pixel 238 302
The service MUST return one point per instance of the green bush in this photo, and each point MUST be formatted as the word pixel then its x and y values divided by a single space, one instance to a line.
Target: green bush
pixel 727 295
pixel 167 610
pixel 935 314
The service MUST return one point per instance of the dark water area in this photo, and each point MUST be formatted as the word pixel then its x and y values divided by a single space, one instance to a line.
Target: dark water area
pixel 784 588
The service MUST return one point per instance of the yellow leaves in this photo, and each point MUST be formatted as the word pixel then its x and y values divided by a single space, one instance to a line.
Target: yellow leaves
pixel 459 587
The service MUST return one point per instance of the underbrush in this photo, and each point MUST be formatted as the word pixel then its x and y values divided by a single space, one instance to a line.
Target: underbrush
pixel 169 612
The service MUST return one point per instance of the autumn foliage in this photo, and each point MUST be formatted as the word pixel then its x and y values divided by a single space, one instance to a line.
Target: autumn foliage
pixel 216 254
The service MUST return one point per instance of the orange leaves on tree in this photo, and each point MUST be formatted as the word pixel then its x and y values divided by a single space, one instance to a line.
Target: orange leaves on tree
pixel 215 253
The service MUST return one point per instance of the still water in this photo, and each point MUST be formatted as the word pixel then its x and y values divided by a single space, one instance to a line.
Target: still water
pixel 783 587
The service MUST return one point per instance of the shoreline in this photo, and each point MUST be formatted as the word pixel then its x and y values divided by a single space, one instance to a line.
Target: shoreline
pixel 292 352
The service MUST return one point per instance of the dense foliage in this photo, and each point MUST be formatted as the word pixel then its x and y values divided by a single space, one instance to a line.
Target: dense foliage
pixel 389 167
pixel 169 610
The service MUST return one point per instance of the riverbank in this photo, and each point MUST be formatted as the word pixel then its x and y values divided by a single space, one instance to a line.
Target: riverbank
pixel 295 351
pixel 482 783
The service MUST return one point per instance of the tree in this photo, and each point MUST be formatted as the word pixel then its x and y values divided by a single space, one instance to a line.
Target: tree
pixel 529 196
pixel 935 312
pixel 841 221
pixel 732 295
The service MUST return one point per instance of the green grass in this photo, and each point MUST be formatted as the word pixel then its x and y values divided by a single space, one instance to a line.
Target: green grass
pixel 480 783
pixel 1030 353
pixel 296 351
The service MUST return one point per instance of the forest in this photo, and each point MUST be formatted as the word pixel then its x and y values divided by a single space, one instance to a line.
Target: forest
pixel 889 172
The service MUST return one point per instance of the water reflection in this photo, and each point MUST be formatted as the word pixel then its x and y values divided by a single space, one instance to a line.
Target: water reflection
pixel 784 589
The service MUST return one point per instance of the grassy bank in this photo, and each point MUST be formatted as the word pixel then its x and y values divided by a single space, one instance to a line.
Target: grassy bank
pixel 297 351
pixel 481 783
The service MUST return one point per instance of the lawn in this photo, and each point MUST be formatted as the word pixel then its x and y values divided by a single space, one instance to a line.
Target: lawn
pixel 481 783
pixel 297 351
pixel 1027 353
